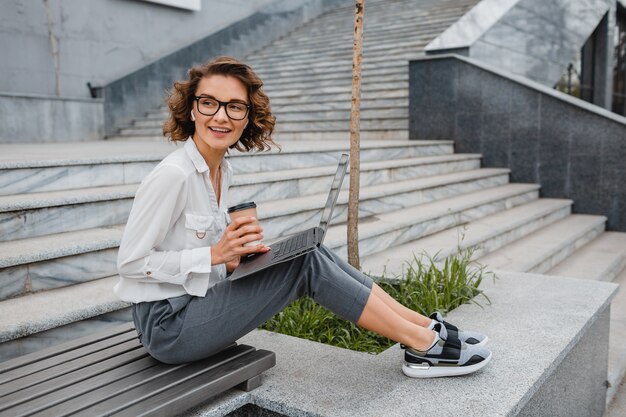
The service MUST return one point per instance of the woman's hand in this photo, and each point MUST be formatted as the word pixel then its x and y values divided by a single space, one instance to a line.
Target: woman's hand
pixel 231 265
pixel 229 248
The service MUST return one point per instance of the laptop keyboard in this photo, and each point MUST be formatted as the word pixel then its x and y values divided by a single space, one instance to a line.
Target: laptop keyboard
pixel 289 245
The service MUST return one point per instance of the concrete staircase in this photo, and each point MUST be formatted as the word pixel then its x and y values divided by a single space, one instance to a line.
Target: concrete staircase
pixel 63 206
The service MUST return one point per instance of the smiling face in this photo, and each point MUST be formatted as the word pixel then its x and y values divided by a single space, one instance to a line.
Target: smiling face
pixel 215 134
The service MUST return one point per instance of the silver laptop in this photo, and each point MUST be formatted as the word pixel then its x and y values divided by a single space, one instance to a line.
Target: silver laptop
pixel 300 243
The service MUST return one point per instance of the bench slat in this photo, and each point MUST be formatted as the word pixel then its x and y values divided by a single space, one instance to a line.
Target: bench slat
pixel 120 400
pixel 66 356
pixel 61 389
pixel 110 373
pixel 65 347
pixel 163 373
pixel 201 388
pixel 120 380
pixel 66 367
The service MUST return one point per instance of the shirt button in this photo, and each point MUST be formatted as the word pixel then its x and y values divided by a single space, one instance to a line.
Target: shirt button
pixel 148 273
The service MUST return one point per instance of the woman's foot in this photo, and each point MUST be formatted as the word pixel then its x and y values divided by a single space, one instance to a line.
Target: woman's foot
pixel 469 337
pixel 448 356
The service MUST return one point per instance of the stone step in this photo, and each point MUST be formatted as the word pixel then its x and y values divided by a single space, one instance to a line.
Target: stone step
pixel 541 250
pixel 303 41
pixel 282 217
pixel 339 78
pixel 53 260
pixel 340 59
pixel 397 122
pixel 43 167
pixel 335 49
pixel 309 116
pixel 386 22
pixel 485 235
pixel 287 107
pixel 339 135
pixel 396 29
pixel 32 168
pixel 37 214
pixel 331 85
pixel 561 377
pixel 299 182
pixel 314 97
pixel 372 90
pixel 373 135
pixel 34 313
pixel 53 309
pixel 367 86
pixel 617 335
pixel 601 260
pixel 604 259
pixel 332 70
pixel 58 260
pixel 305 116
pixel 383 124
pixel 342 62
pixel 389 233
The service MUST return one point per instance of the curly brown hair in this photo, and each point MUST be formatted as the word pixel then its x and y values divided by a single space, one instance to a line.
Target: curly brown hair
pixel 180 99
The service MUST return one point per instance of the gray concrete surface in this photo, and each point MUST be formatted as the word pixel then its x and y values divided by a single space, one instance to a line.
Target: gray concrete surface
pixel 572 148
pixel 560 318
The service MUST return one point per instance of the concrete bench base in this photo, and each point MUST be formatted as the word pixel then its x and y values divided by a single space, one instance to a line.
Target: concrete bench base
pixel 548 335
pixel 111 373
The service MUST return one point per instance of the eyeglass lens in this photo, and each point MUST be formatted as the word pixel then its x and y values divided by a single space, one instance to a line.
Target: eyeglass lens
pixel 234 110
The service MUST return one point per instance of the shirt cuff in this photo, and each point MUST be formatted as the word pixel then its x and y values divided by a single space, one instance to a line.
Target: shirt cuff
pixel 196 260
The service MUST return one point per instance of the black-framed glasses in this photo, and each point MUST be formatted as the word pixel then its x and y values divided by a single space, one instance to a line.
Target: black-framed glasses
pixel 234 109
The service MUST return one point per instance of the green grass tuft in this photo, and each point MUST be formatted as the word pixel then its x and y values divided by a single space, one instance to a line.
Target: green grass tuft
pixel 429 284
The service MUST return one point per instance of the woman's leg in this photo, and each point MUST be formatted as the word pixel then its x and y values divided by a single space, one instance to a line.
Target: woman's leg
pixel 407 313
pixel 380 318
pixel 232 309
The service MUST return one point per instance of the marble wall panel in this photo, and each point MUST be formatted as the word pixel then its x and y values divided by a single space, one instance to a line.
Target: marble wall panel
pixel 135 172
pixel 13 282
pixel 493 139
pixel 576 17
pixel 467 131
pixel 469 87
pixel 58 120
pixel 69 270
pixel 583 187
pixel 524 148
pixel 30 180
pixel 544 71
pixel 38 341
pixel 472 25
pixel 49 220
pixel 270 162
pixel 393 236
pixel 533 38
pixel 548 137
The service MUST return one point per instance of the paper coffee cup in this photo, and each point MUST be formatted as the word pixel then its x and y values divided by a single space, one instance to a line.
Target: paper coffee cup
pixel 244 209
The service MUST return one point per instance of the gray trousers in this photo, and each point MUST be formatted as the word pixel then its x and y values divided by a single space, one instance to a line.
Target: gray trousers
pixel 189 328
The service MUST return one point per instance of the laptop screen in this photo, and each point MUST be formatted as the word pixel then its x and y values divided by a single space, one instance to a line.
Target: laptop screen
pixel 334 192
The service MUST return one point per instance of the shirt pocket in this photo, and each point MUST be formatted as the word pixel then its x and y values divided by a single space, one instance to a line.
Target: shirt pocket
pixel 199 226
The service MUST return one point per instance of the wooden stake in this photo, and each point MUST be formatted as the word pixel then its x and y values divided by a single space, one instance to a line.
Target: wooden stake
pixel 355 117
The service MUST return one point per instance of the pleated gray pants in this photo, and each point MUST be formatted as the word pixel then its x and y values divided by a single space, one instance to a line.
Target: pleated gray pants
pixel 188 328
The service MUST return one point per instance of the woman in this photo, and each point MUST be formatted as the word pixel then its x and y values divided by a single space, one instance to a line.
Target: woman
pixel 177 247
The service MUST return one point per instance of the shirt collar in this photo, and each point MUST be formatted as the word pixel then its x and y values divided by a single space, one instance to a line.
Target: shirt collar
pixel 195 156
pixel 198 161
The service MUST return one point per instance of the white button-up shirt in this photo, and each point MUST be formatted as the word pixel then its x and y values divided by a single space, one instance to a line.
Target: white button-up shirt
pixel 166 246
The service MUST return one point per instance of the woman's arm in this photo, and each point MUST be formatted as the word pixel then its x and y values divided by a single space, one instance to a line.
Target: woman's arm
pixel 159 202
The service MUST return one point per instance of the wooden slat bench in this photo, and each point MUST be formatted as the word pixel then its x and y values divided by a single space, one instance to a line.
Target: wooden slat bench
pixel 111 374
